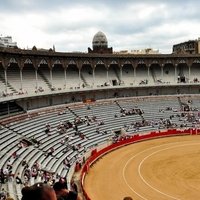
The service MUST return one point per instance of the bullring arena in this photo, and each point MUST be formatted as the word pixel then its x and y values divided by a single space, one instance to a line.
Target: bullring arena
pixel 115 125
pixel 166 168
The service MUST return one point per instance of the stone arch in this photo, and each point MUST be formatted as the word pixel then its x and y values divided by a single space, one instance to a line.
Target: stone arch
pixel 101 73
pixel 73 79
pixel 155 71
pixel 182 71
pixel 72 62
pixel 87 74
pixel 28 61
pixel 114 73
pixel 29 76
pixel 168 72
pixel 12 62
pixel 14 75
pixel 100 62
pixel 194 71
pixel 128 73
pixel 43 61
pixel 141 72
pixel 58 74
pixel 44 75
pixel 3 78
pixel 57 62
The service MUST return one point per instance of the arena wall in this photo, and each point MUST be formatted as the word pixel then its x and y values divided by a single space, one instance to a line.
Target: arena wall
pixel 30 102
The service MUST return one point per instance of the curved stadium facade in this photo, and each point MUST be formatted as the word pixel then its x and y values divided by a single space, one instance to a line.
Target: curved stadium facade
pixel 29 75
pixel 39 87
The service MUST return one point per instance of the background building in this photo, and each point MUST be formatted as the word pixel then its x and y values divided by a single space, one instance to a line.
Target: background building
pixel 7 42
pixel 189 47
pixel 139 51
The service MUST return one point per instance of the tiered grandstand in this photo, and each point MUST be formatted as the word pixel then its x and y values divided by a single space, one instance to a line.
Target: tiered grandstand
pixel 23 138
pixel 55 108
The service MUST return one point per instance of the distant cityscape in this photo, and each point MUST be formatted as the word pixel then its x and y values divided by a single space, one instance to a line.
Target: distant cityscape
pixel 187 47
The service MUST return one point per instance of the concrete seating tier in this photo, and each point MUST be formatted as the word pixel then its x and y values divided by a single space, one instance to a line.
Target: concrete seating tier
pixel 94 133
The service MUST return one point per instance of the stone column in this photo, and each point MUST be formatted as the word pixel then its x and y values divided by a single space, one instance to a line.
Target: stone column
pixel 107 74
pixel 21 79
pixel 79 76
pixel 175 73
pixel 36 79
pixel 93 74
pixel 134 73
pixel 6 80
pixel 162 66
pixel 51 78
pixel 148 73
pixel 189 72
pixel 121 73
pixel 65 74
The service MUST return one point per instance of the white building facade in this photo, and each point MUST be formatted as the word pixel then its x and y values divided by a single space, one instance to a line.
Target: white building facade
pixel 7 42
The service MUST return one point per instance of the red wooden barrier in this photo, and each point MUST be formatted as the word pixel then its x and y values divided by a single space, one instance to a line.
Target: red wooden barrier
pixel 136 138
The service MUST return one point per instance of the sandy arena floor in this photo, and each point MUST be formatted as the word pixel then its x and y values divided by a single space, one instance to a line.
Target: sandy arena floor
pixel 160 169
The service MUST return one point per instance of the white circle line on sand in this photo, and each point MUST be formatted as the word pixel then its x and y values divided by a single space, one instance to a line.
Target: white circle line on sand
pixel 130 159
pixel 144 159
pixel 134 156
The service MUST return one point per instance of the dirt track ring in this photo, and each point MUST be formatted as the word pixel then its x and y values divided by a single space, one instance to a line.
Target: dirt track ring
pixel 136 168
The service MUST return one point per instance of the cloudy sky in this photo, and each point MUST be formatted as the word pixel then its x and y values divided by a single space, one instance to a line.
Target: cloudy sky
pixel 128 24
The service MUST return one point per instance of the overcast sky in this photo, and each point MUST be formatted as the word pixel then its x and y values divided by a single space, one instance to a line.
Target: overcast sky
pixel 128 24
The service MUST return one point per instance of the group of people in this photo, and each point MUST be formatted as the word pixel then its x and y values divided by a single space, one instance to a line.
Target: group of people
pixel 39 89
pixel 134 111
pixel 6 173
pixel 59 191
pixel 5 94
pixel 43 191
pixel 20 92
pixel 4 195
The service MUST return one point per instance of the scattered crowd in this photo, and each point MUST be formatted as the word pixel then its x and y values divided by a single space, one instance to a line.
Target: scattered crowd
pixel 49 178
pixel 43 191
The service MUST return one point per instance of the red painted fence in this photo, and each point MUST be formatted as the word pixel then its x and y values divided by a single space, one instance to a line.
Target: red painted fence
pixel 95 155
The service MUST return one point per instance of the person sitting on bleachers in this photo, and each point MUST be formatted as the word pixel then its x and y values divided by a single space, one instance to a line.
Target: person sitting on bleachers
pixel 101 123
pixel 3 194
pixel 50 151
pixel 48 128
pixel 27 175
pixel 195 80
pixel 53 88
pixel 36 165
pixel 15 155
pixel 63 193
pixel 81 135
pixel 2 176
pixel 40 89
pixel 127 198
pixel 18 179
pixel 66 164
pixel 38 191
pixel 4 94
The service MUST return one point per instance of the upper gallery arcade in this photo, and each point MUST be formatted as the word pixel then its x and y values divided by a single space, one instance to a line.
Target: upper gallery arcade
pixel 99 67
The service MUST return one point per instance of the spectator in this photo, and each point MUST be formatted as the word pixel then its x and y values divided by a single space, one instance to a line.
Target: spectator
pixel 50 152
pixel 127 198
pixel 2 176
pixel 18 180
pixel 15 155
pixel 2 194
pixel 63 193
pixel 38 191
